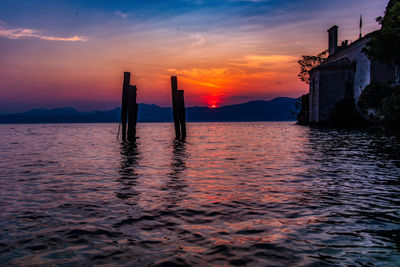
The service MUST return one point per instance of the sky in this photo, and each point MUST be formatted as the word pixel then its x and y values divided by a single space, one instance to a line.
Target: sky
pixel 73 53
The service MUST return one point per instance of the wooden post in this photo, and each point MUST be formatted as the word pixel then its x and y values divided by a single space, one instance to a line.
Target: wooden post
pixel 132 113
pixel 136 115
pixel 175 102
pixel 129 109
pixel 124 106
pixel 178 108
pixel 182 113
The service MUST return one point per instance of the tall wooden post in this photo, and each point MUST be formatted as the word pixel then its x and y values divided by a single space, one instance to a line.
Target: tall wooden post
pixel 175 110
pixel 132 113
pixel 129 109
pixel 178 107
pixel 182 113
pixel 124 106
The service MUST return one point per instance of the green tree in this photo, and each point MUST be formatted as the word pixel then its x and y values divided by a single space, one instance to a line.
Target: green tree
pixel 391 110
pixel 384 45
pixel 307 63
pixel 302 109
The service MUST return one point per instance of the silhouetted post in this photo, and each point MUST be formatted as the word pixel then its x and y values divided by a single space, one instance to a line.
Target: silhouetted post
pixel 129 108
pixel 124 106
pixel 175 103
pixel 136 114
pixel 182 113
pixel 132 113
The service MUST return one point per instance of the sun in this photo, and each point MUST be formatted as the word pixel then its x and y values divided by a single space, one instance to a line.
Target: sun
pixel 212 100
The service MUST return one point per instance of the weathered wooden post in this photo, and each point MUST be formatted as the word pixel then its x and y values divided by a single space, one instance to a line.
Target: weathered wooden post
pixel 175 110
pixel 182 113
pixel 124 106
pixel 178 108
pixel 132 113
pixel 129 109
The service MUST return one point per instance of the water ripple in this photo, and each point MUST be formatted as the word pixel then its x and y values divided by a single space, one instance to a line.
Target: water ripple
pixel 255 194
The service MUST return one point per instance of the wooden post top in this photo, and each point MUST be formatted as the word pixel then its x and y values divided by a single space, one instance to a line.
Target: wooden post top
pixel 174 83
pixel 127 78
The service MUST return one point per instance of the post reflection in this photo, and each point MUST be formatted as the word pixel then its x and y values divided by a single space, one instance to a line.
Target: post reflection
pixel 176 183
pixel 128 175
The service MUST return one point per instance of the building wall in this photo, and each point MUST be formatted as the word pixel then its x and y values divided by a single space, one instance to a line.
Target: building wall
pixel 362 65
pixel 314 97
pixel 335 85
pixel 329 84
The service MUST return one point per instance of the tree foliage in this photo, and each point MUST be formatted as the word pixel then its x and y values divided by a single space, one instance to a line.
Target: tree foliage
pixel 384 45
pixel 345 114
pixel 391 110
pixel 372 96
pixel 302 108
pixel 384 100
pixel 307 63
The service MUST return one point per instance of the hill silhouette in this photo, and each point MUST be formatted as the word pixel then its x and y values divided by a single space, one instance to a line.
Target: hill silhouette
pixel 278 109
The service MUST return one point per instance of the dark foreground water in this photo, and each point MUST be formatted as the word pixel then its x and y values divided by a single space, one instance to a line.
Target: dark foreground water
pixel 256 194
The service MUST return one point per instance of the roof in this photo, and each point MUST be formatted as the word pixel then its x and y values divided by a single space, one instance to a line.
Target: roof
pixel 338 64
pixel 342 49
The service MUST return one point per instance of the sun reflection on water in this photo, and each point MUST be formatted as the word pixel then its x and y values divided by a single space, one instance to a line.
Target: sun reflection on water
pixel 232 193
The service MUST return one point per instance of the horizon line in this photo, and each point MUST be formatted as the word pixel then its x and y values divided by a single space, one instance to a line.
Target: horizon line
pixel 194 106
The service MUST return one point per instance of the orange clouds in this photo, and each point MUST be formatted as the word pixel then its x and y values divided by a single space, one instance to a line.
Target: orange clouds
pixel 245 76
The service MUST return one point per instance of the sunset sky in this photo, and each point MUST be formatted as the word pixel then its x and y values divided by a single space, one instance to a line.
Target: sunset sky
pixel 73 53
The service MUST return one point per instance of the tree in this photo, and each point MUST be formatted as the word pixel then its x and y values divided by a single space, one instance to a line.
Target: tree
pixel 302 109
pixel 391 110
pixel 384 45
pixel 307 63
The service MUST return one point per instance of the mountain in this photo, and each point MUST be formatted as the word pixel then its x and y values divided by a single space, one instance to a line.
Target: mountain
pixel 278 109
pixel 51 112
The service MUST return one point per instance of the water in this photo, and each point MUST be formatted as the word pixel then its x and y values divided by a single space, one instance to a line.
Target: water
pixel 256 194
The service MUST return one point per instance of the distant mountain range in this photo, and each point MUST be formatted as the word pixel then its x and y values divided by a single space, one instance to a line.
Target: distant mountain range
pixel 278 109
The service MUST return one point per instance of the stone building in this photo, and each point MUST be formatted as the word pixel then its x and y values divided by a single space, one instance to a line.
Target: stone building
pixel 345 74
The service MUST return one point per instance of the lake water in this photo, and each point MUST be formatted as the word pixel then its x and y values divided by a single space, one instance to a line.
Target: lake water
pixel 256 194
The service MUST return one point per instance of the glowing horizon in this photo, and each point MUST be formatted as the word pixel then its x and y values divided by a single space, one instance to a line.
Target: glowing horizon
pixel 223 52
